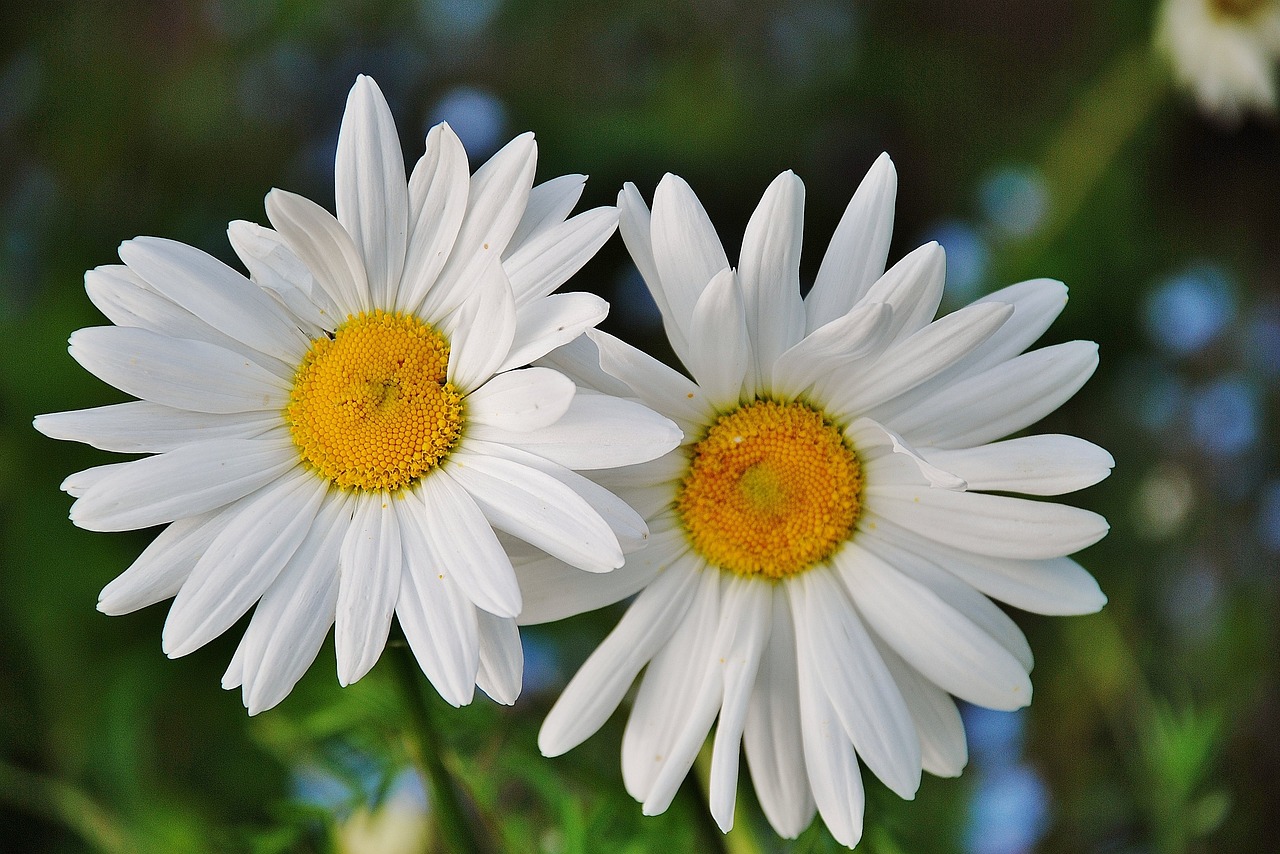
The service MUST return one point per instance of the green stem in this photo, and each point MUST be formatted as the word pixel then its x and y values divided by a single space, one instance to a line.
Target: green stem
pixel 424 746
pixel 739 839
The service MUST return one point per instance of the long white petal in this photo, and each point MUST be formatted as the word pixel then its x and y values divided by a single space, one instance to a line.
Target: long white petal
pixel 661 388
pixel 635 224
pixel 912 288
pixel 546 261
pixel 937 720
pixel 321 242
pixel 857 682
pixel 501 658
pixel 772 738
pixel 596 432
pixel 441 626
pixel 931 636
pixel 482 329
pixel 186 482
pixel 177 372
pixel 372 199
pixel 995 525
pixel 580 361
pixel 164 565
pixel 856 257
pixel 216 294
pixel 1001 400
pixel 140 427
pixel 833 349
pixel 1050 464
pixel 599 685
pixel 538 509
pixel 769 270
pixel 520 401
pixel 721 359
pixel 549 205
pixel 548 323
pixel 242 561
pixel 456 540
pixel 274 266
pixel 438 191
pixel 369 564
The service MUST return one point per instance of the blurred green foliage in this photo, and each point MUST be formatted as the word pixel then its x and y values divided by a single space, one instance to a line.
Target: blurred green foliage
pixel 1153 728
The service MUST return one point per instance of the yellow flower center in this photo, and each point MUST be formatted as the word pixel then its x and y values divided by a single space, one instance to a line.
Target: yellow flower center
pixel 371 407
pixel 772 490
pixel 1240 10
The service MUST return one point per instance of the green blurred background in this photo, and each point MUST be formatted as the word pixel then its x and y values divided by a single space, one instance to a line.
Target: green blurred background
pixel 1030 139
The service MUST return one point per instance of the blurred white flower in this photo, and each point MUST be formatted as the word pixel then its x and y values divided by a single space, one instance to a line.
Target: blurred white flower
pixel 1224 52
pixel 336 439
pixel 822 542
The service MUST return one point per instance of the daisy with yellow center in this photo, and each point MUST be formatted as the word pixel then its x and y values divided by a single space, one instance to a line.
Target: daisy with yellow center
pixel 1224 52
pixel 824 543
pixel 339 438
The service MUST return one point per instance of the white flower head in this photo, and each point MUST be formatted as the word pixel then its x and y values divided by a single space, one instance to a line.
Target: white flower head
pixel 824 543
pixel 1224 52
pixel 337 438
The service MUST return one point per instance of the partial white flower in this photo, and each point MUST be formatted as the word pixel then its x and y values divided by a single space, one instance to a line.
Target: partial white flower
pixel 824 543
pixel 1224 52
pixel 339 438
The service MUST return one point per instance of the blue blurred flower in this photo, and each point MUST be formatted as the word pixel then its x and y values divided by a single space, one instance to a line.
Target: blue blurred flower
pixel 1190 310
pixel 1224 416
pixel 476 116
pixel 1015 200
pixel 967 259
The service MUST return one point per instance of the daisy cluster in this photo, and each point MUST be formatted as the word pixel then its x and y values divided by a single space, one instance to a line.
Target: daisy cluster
pixel 395 415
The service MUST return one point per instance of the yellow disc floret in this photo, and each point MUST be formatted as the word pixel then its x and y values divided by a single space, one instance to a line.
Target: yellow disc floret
pixel 371 407
pixel 772 490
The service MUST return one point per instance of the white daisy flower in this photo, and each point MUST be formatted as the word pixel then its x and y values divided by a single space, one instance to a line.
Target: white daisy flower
pixel 824 543
pixel 337 438
pixel 1224 52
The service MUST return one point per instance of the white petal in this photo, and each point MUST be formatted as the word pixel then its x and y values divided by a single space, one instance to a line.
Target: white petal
pixel 833 349
pixel 828 753
pixel 441 626
pixel 658 386
pixel 273 266
pixel 595 432
pixel 858 249
pixel 902 464
pixel 482 329
pixel 745 622
pixel 164 565
pixel 548 323
pixel 372 200
pixel 1035 465
pixel 859 686
pixel 770 273
pixel 599 685
pixel 499 191
pixel 1001 400
pixel 937 720
pixel 994 525
pixel 293 616
pixel 186 482
pixel 79 483
pixel 676 704
pixel 457 541
pixel 1036 304
pixel 438 191
pixel 320 241
pixel 627 525
pixel 519 401
pixel 1057 586
pixel 501 658
pixel 635 226
pixel 216 294
pixel 546 261
pixel 686 250
pixel 538 509
pixel 721 357
pixel 139 427
pixel 242 561
pixel 772 738
pixel 549 205
pixel 177 372
pixel 922 355
pixel 553 590
pixel 580 361
pixel 369 564
pixel 931 636
pixel 912 288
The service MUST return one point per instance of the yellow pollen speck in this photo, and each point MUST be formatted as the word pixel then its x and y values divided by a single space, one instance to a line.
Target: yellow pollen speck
pixel 371 407
pixel 772 490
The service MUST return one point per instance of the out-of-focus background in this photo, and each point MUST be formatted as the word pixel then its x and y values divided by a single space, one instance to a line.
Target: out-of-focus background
pixel 1031 139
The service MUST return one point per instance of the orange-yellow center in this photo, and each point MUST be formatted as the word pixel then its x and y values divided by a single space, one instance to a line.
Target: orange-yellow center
pixel 371 407
pixel 772 490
